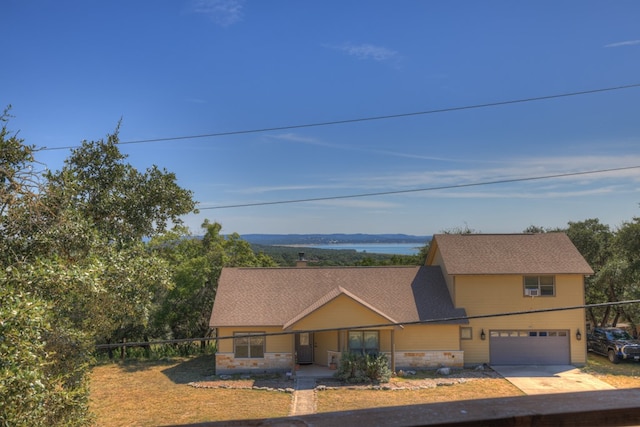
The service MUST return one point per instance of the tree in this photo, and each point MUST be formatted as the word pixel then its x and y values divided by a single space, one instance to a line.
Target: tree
pixel 33 389
pixel 43 362
pixel 196 265
pixel 122 203
pixel 615 259
pixel 535 229
pixel 71 248
pixel 627 247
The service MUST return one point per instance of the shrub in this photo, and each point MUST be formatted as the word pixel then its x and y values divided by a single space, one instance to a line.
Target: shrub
pixel 357 368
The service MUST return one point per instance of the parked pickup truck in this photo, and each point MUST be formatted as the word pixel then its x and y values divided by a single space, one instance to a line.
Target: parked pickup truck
pixel 615 343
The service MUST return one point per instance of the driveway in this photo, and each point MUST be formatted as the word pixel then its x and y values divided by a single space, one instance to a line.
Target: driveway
pixel 541 379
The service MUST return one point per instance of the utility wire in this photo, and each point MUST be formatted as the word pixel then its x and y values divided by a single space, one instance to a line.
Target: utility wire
pixel 366 119
pixel 458 319
pixel 415 190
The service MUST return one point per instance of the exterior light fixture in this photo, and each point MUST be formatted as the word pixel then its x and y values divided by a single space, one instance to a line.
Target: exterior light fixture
pixel 483 336
pixel 578 334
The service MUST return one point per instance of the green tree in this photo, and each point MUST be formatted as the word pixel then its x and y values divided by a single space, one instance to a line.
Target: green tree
pixel 594 241
pixel 43 361
pixel 534 229
pixel 627 247
pixel 34 390
pixel 71 242
pixel 122 203
pixel 196 265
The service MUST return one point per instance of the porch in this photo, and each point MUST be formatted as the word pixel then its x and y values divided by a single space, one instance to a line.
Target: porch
pixel 314 371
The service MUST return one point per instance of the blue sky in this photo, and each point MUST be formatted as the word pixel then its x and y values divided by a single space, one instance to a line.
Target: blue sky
pixel 73 69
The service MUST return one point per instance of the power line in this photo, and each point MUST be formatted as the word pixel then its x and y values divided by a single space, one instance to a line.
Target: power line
pixel 379 325
pixel 416 190
pixel 366 119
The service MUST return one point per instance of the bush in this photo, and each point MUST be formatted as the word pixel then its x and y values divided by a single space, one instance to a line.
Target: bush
pixel 357 368
pixel 43 367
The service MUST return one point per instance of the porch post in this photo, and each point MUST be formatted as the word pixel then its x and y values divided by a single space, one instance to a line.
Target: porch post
pixel 293 352
pixel 393 350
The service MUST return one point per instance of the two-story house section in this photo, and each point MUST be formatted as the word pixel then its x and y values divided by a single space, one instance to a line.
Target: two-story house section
pixel 496 274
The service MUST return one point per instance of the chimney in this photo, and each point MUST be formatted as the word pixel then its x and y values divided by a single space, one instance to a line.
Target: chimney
pixel 301 262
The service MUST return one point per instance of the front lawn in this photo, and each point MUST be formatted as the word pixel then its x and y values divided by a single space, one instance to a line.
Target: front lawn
pixel 625 374
pixel 152 393
pixel 350 399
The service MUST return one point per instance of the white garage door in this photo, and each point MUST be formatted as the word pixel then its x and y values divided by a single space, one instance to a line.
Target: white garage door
pixel 529 347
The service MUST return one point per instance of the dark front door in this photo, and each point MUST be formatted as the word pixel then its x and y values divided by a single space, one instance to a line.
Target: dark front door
pixel 304 347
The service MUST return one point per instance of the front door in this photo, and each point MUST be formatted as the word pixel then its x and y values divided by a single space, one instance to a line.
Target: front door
pixel 304 347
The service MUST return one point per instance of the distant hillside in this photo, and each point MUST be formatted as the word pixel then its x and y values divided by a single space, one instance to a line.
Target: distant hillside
pixel 323 239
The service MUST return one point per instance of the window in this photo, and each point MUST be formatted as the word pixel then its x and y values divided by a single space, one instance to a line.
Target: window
pixel 304 338
pixel 540 286
pixel 364 342
pixel 466 333
pixel 248 344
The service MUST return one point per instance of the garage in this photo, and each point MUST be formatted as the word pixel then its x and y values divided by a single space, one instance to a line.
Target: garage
pixel 529 347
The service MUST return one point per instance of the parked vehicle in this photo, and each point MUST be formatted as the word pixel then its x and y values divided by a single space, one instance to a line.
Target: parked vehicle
pixel 615 343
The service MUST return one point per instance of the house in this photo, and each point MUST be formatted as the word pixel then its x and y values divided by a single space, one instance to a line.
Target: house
pixel 268 319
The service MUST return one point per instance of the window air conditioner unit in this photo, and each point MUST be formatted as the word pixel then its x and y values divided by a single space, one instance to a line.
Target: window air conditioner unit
pixel 531 292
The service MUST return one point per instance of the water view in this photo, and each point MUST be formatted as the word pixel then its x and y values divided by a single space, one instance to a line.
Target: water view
pixel 376 248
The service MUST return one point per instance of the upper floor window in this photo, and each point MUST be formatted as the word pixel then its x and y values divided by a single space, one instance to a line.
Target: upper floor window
pixel 539 286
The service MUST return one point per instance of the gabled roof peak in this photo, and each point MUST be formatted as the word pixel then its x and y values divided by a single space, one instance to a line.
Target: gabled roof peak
pixel 524 253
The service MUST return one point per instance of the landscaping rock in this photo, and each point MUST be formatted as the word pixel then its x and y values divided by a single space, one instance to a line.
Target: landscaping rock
pixel 444 371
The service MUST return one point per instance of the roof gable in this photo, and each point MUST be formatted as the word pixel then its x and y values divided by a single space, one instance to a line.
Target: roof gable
pixel 328 299
pixel 544 253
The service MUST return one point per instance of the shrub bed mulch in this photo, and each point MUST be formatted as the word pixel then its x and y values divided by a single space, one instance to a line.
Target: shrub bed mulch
pixel 282 383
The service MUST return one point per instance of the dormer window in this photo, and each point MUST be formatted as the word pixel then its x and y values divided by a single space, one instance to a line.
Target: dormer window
pixel 544 286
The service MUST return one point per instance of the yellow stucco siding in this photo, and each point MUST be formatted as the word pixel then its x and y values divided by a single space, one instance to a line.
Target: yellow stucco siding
pixel 340 312
pixel 480 295
pixel 274 344
pixel 427 337
pixel 499 294
pixel 323 343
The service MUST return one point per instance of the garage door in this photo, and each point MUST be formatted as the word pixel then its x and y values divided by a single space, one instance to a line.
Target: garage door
pixel 525 347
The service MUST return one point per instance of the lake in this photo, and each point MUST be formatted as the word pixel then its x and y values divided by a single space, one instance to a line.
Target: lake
pixel 376 248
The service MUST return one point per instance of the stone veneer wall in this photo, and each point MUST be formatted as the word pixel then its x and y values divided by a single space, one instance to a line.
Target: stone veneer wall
pixel 226 363
pixel 429 359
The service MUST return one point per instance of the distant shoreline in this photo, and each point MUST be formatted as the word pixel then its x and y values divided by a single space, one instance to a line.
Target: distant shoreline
pixel 373 248
pixel 311 240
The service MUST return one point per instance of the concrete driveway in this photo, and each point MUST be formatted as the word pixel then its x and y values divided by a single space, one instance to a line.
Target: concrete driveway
pixel 540 379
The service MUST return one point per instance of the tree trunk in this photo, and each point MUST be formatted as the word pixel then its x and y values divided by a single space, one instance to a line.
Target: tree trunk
pixel 605 316
pixel 615 319
pixel 592 316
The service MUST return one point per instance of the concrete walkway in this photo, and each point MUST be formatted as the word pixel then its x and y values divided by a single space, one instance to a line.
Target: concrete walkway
pixel 304 397
pixel 539 379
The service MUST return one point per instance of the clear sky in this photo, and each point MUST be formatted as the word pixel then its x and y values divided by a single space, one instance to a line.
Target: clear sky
pixel 169 68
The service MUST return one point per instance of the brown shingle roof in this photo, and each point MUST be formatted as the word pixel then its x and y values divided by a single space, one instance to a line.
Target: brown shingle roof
pixel 545 253
pixel 281 296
